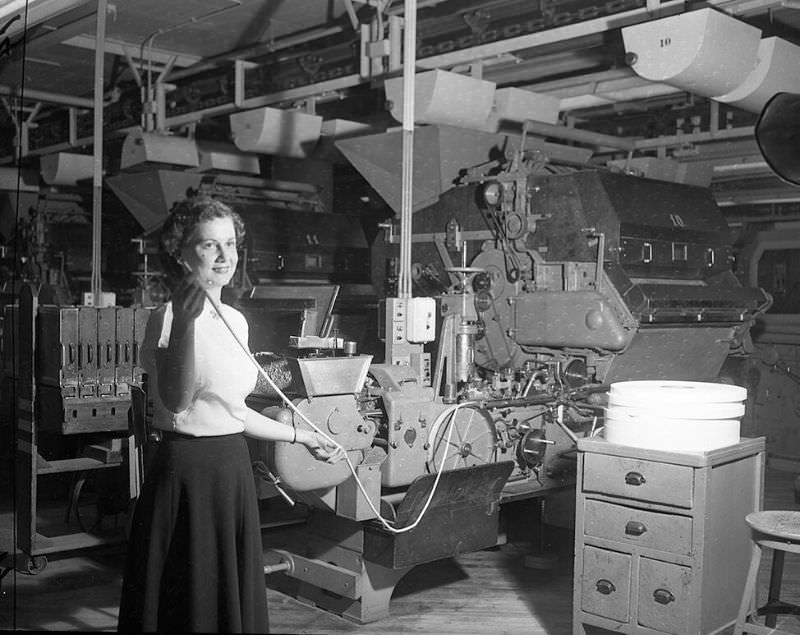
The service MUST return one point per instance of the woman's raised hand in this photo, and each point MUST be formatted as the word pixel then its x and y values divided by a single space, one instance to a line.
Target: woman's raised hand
pixel 188 299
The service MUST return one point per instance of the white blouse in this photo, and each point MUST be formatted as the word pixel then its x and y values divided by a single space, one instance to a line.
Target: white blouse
pixel 224 376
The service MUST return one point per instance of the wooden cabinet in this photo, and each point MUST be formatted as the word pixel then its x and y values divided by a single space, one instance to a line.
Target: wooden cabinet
pixel 661 544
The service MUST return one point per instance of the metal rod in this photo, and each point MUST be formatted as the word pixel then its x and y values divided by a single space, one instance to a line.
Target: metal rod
pixel 407 192
pixel 583 136
pixel 255 50
pixel 50 98
pixel 276 568
pixel 97 177
pixel 695 137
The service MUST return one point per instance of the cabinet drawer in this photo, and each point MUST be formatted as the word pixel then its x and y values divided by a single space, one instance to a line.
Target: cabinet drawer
pixel 665 590
pixel 666 532
pixel 651 481
pixel 605 583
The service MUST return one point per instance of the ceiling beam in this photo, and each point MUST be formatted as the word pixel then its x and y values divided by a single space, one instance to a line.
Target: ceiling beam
pixel 33 12
pixel 549 36
pixel 118 47
pixel 51 35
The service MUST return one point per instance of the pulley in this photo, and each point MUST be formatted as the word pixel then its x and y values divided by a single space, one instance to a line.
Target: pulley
pixel 531 449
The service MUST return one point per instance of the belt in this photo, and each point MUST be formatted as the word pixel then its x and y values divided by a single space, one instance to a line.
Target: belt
pixel 156 435
pixel 169 435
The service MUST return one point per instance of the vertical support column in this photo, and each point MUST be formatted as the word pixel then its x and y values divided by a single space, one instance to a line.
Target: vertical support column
pixel 25 429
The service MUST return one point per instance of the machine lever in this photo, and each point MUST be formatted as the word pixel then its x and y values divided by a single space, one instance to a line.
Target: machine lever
pixel 276 482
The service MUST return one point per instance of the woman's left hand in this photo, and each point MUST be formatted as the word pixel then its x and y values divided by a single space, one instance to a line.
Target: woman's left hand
pixel 320 447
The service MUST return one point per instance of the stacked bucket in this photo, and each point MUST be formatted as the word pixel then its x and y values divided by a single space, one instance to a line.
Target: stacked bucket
pixel 680 416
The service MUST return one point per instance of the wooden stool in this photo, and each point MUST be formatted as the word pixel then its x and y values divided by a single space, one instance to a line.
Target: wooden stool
pixel 779 531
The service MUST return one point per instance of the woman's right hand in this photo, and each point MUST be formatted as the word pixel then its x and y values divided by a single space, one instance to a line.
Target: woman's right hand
pixel 188 299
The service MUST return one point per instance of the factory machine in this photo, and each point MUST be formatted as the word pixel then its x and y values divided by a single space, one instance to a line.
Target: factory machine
pixel 534 289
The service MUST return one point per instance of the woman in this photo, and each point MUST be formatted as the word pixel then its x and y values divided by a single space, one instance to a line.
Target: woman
pixel 195 556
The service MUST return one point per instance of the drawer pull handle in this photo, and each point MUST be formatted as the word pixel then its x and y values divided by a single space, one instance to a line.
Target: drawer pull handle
pixel 606 587
pixel 634 478
pixel 635 528
pixel 662 596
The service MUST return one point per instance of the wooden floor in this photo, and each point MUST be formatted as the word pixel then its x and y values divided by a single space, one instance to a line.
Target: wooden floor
pixel 490 591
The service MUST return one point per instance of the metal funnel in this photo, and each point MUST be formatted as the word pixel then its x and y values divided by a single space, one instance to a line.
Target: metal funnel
pixel 150 195
pixel 441 153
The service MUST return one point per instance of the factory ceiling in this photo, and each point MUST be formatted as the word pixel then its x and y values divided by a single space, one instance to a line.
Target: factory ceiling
pixel 187 65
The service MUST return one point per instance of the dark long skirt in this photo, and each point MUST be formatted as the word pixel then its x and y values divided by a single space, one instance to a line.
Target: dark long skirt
pixel 195 560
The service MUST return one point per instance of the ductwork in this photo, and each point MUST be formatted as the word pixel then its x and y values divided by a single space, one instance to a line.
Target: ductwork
pixel 452 99
pixel 709 53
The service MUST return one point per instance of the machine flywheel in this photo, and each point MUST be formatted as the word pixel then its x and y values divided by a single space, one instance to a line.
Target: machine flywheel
pixel 473 440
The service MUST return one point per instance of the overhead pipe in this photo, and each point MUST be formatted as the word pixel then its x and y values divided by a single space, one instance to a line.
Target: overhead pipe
pixel 149 123
pixel 576 134
pixel 50 98
pixel 255 50
pixel 694 137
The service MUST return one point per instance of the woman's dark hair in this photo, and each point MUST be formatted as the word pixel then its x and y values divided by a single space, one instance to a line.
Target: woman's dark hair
pixel 187 214
pixel 184 216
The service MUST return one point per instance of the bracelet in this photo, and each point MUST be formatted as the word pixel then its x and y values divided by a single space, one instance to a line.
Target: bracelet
pixel 294 439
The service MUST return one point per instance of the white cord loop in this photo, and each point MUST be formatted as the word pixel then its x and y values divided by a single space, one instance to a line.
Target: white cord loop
pixel 385 523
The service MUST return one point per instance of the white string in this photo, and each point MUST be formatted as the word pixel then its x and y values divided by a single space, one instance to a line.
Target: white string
pixel 451 410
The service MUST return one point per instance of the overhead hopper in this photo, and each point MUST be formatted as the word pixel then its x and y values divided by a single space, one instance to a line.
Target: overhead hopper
pixel 145 150
pixel 441 154
pixel 66 168
pixel 150 195
pixel 274 131
pixel 515 105
pixel 334 130
pixel 704 52
pixel 224 157
pixel 442 97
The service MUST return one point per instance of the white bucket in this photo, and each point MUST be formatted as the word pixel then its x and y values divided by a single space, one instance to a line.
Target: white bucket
pixel 671 391
pixel 674 415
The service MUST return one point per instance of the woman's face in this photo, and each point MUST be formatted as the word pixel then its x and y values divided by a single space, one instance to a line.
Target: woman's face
pixel 211 253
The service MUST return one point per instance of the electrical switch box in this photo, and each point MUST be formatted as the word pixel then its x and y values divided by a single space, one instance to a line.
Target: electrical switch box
pixel 421 320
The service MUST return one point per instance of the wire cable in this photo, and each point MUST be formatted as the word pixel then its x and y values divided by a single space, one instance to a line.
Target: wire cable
pixel 451 410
